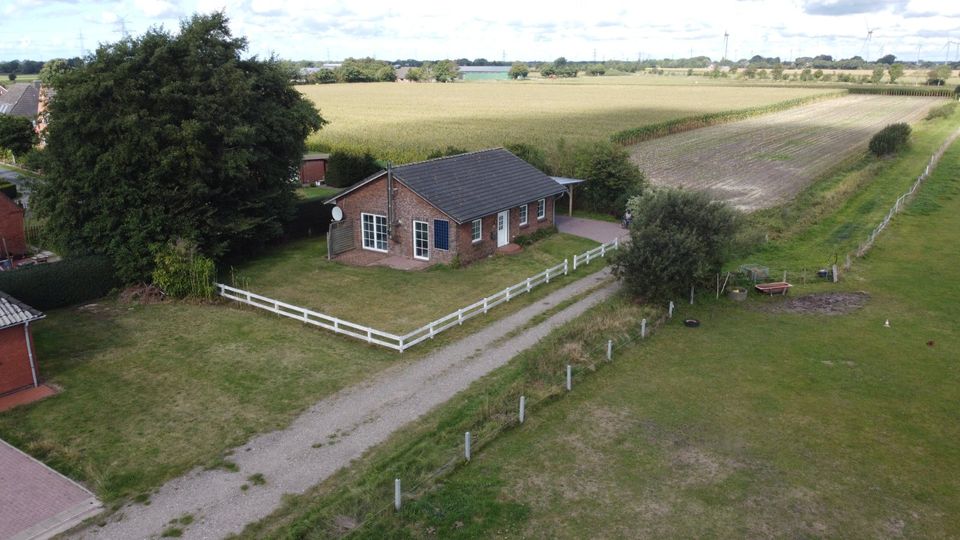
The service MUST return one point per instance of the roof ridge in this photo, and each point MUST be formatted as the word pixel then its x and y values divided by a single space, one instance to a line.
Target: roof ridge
pixel 450 157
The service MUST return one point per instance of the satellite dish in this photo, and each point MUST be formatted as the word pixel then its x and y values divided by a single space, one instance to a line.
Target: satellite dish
pixel 337 213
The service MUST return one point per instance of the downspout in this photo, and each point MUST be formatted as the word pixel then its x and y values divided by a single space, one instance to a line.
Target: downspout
pixel 390 211
pixel 33 365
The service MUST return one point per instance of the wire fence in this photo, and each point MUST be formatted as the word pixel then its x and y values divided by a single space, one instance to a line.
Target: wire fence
pixel 605 351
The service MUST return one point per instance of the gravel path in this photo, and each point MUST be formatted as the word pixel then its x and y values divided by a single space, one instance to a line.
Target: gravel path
pixel 356 419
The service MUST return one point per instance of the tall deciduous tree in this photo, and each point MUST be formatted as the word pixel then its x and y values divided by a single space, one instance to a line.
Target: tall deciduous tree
pixel 519 70
pixel 895 71
pixel 169 136
pixel 16 134
pixel 445 71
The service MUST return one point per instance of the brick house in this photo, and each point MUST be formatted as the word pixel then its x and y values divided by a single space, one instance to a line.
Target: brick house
pixel 18 362
pixel 13 242
pixel 468 205
pixel 313 168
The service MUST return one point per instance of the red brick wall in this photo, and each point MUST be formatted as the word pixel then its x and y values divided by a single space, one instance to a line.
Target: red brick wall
pixel 11 227
pixel 314 170
pixel 15 372
pixel 372 199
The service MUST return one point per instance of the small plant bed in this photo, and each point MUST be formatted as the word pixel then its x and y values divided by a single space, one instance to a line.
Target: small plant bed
pixel 396 300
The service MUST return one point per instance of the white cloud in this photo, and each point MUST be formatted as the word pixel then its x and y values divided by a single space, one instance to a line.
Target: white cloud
pixel 157 8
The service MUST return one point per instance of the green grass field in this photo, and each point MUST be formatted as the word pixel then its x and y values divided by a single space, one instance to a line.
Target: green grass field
pixel 758 423
pixel 405 122
pixel 394 300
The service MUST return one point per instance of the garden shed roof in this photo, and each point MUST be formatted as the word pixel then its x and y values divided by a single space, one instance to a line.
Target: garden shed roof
pixel 14 312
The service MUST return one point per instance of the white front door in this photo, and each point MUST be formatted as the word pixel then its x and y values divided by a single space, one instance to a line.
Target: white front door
pixel 503 228
pixel 421 240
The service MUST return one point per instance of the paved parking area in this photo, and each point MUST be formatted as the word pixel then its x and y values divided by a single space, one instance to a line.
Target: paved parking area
pixel 598 231
pixel 37 501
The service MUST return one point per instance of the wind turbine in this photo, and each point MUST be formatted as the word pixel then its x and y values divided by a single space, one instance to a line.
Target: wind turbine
pixel 866 44
pixel 726 42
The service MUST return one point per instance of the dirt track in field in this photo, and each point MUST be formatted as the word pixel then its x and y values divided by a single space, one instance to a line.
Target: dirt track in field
pixel 764 161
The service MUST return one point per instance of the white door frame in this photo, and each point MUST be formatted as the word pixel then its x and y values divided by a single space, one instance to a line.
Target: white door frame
pixel 426 229
pixel 503 228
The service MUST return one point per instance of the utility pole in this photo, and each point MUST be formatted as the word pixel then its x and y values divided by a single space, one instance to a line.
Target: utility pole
pixel 726 44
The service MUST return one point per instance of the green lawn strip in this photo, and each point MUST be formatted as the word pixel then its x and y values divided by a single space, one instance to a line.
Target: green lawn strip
pixel 755 424
pixel 433 446
pixel 395 300
pixel 833 216
pixel 313 192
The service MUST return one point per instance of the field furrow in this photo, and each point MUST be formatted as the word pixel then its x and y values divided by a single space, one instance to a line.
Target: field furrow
pixel 764 161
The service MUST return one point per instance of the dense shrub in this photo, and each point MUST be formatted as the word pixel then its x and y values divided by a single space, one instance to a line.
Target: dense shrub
pixel 180 271
pixel 450 150
pixel 537 235
pixel 16 134
pixel 347 167
pixel 677 239
pixel 611 178
pixel 942 111
pixel 311 218
pixel 530 154
pixel 890 139
pixel 59 284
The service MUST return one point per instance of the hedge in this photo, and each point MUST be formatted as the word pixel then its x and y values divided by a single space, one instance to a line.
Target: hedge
pixel 890 139
pixel 312 218
pixel 900 91
pixel 347 167
pixel 59 284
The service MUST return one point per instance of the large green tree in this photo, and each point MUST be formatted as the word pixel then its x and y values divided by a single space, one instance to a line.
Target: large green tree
pixel 170 136
pixel 611 178
pixel 16 134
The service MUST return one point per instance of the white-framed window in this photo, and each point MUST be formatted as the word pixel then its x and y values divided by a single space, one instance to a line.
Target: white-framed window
pixel 541 208
pixel 476 230
pixel 523 214
pixel 374 232
pixel 421 240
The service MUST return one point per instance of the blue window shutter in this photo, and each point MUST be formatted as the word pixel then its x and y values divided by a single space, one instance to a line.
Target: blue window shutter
pixel 441 234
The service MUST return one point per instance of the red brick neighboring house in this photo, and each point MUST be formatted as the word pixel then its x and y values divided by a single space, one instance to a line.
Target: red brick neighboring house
pixel 467 205
pixel 13 242
pixel 18 361
pixel 313 168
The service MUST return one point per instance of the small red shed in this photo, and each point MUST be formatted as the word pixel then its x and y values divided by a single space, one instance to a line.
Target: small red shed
pixel 13 242
pixel 18 361
pixel 313 168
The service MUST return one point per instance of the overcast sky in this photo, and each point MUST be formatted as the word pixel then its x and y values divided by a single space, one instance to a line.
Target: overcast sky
pixel 499 29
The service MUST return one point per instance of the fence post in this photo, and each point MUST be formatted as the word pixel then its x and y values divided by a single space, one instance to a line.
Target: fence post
pixel 670 310
pixel 528 284
pixel 616 243
pixel 565 266
pixel 574 263
pixel 466 446
pixel 507 290
pixel 603 250
pixel 569 377
pixel 484 304
pixel 643 329
pixel 609 349
pixel 691 295
pixel 460 316
pixel 369 336
pixel 836 277
pixel 523 403
pixel 396 494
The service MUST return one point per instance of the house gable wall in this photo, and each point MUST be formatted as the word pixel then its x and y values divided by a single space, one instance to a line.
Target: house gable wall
pixel 313 170
pixel 11 228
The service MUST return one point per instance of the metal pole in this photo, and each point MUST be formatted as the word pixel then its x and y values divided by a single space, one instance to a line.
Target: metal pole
pixel 523 403
pixel 396 494
pixel 569 377
pixel 643 328
pixel 609 349
pixel 466 446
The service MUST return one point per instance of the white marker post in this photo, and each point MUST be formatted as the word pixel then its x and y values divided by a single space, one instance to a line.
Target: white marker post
pixel 396 494
pixel 609 350
pixel 466 446
pixel 569 377
pixel 670 311
pixel 643 329
pixel 523 403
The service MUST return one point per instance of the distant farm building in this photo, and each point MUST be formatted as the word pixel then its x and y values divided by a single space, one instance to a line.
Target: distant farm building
pixel 485 73
pixel 313 168
pixel 462 207
pixel 18 361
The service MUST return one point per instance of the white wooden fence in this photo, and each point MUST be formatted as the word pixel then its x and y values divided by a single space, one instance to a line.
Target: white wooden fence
pixel 901 200
pixel 425 332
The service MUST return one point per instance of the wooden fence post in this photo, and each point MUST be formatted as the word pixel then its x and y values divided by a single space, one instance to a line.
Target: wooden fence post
pixel 569 377
pixel 643 329
pixel 609 349
pixel 670 310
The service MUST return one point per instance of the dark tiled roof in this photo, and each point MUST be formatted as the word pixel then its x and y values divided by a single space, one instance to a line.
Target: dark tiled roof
pixel 14 312
pixel 20 100
pixel 469 186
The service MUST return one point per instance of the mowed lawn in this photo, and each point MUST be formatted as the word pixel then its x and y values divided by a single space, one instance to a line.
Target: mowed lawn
pixel 392 300
pixel 756 424
pixel 149 392
pixel 404 122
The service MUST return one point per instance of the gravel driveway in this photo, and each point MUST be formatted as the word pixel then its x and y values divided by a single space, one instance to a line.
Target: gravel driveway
pixel 357 418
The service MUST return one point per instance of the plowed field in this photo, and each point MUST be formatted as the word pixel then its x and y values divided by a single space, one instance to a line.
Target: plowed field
pixel 764 161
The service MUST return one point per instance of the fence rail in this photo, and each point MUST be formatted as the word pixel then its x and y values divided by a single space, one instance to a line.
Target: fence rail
pixel 425 332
